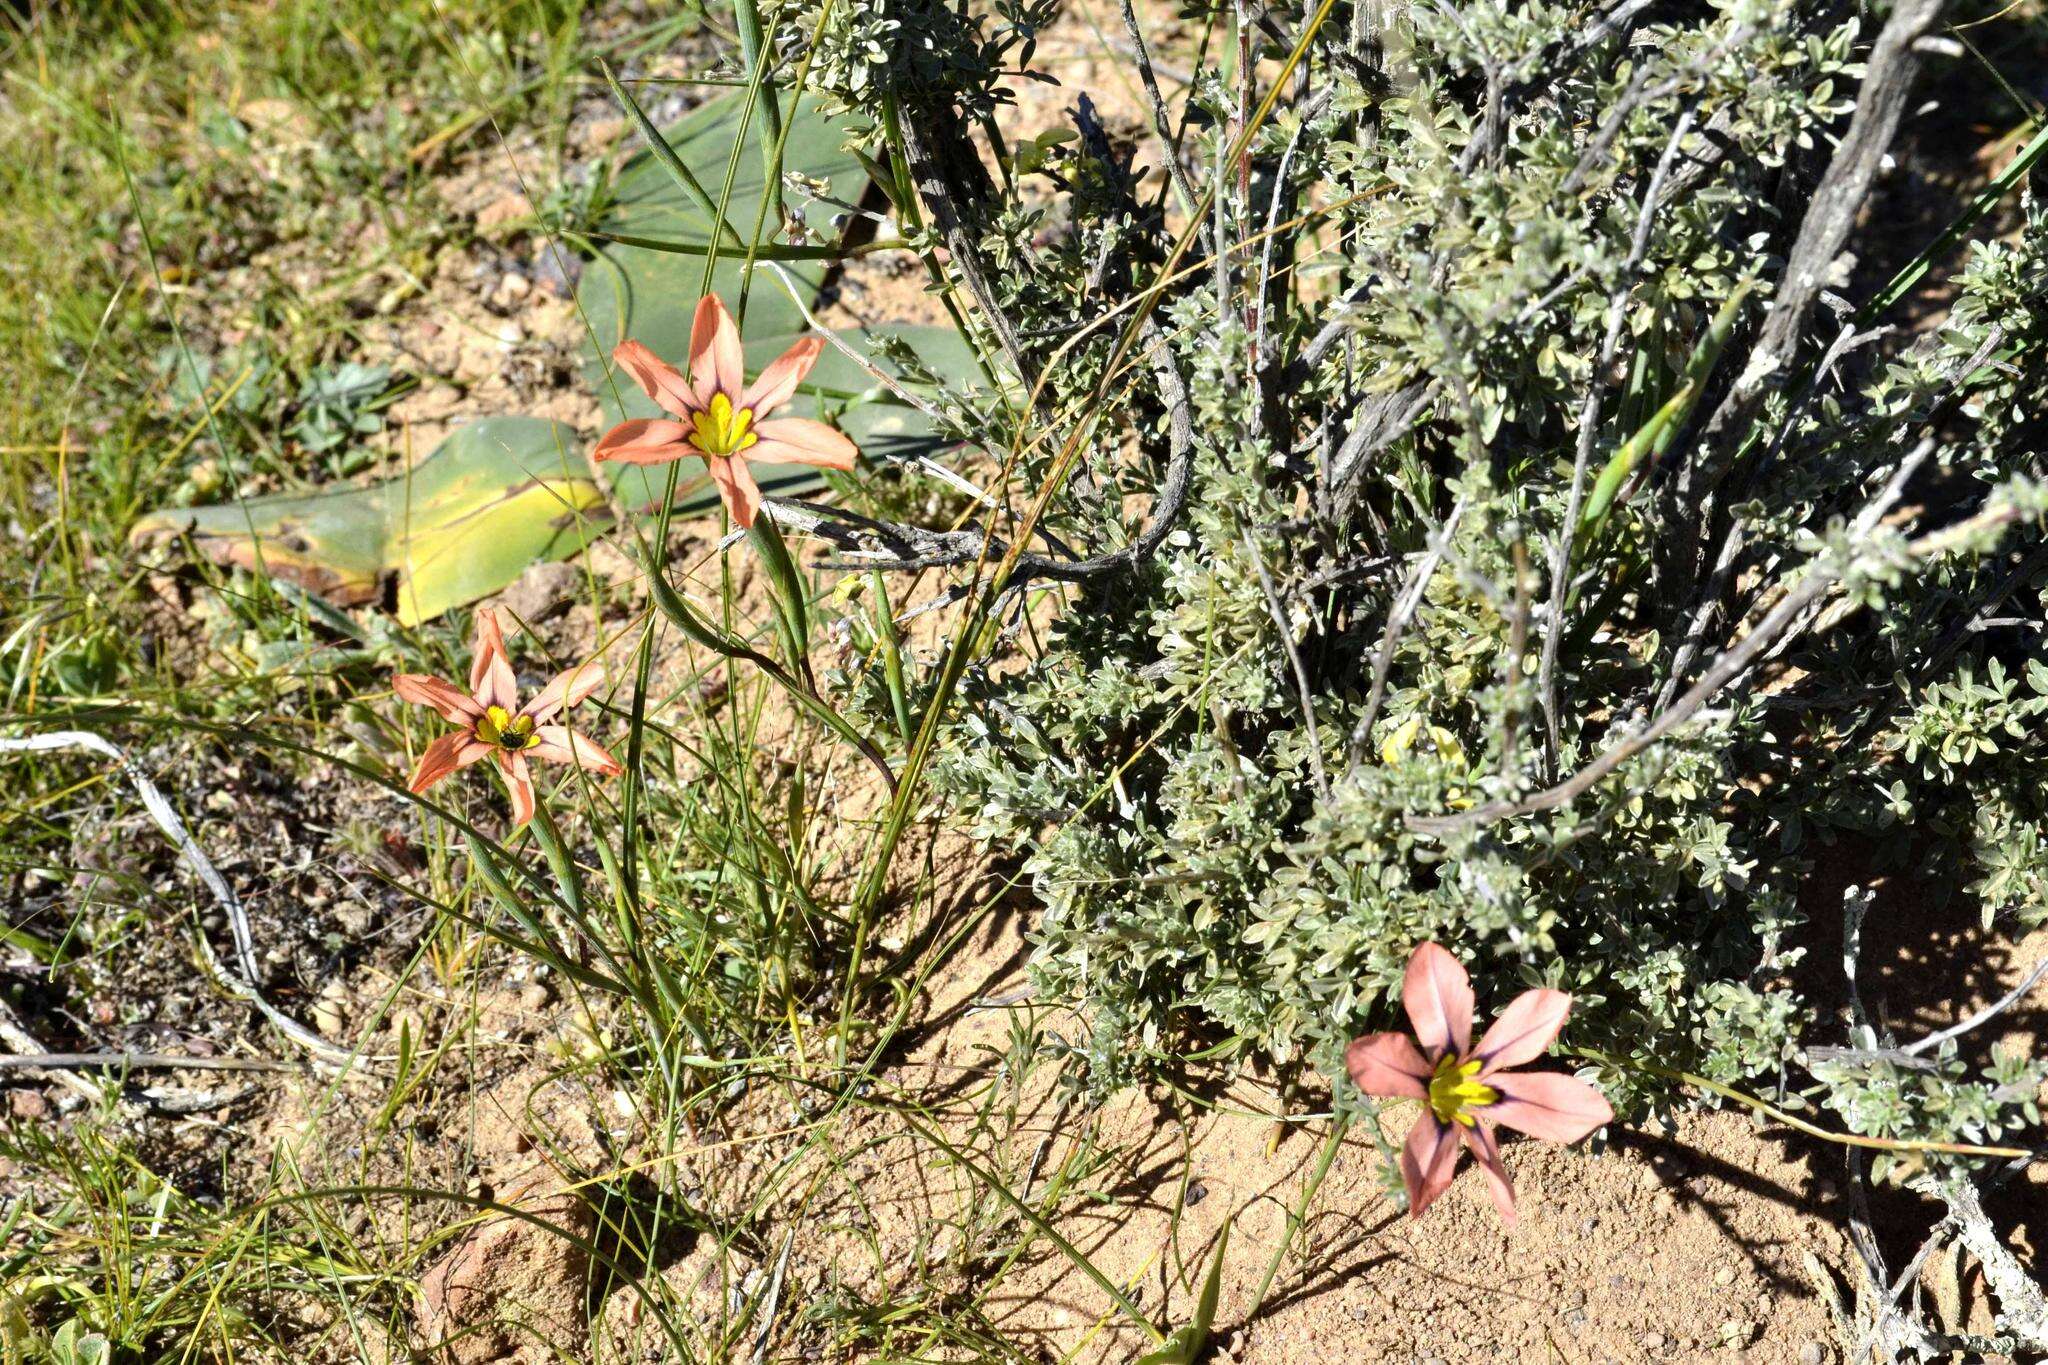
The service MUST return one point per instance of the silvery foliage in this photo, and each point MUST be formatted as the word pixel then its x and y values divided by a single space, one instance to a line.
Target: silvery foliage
pixel 1330 716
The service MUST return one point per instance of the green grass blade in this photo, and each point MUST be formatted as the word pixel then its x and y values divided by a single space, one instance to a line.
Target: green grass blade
pixel 1656 433
pixel 666 155
pixel 1185 1346
pixel 672 605
pixel 1987 198
pixel 790 609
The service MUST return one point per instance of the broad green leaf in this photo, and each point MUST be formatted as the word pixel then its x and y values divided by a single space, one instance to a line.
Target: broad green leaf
pixel 505 492
pixel 494 497
pixel 74 1344
pixel 648 293
pixel 648 267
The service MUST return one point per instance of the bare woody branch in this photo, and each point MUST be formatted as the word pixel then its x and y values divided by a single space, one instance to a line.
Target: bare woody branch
pixel 1996 515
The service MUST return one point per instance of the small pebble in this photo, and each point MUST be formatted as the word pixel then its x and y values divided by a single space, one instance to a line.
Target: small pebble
pixel 328 1018
pixel 1725 1275
pixel 1812 1353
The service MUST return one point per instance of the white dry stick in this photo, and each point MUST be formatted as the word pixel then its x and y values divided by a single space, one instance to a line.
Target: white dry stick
pixel 242 988
pixel 2022 1308
pixel 1983 1016
pixel 15 1034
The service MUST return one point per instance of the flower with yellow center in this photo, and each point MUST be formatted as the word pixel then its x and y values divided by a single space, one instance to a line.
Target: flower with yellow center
pixel 1466 1090
pixel 494 725
pixel 716 416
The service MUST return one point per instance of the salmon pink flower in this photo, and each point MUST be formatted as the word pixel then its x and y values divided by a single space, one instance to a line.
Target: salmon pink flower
pixel 1465 1090
pixel 718 416
pixel 494 724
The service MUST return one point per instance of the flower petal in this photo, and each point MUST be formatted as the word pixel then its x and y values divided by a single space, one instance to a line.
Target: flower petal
pixel 1438 996
pixel 644 440
pixel 490 670
pixel 775 385
pixel 1486 1151
pixel 560 744
pixel 565 689
pixel 1547 1105
pixel 661 381
pixel 519 782
pixel 742 495
pixel 1428 1161
pixel 444 756
pixel 423 689
pixel 716 362
pixel 799 440
pixel 1388 1065
pixel 1524 1030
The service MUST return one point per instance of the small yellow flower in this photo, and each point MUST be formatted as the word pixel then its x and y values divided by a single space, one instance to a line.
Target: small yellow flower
pixel 1401 743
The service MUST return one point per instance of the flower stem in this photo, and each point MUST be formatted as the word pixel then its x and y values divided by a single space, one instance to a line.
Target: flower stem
pixel 1770 1110
pixel 1298 1215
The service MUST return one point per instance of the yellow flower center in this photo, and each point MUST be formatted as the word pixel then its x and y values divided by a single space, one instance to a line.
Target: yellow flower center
pixel 720 430
pixel 1454 1094
pixel 500 727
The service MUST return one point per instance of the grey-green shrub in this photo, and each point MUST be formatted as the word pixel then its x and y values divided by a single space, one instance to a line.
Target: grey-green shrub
pixel 1495 220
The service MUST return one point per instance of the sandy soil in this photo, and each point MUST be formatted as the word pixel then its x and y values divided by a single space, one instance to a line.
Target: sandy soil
pixel 1707 1239
pixel 1658 1248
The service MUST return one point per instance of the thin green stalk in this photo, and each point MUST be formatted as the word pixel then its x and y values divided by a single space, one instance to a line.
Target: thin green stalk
pixel 673 164
pixel 892 655
pixel 1771 1111
pixel 1298 1215
pixel 1044 1229
pixel 1986 199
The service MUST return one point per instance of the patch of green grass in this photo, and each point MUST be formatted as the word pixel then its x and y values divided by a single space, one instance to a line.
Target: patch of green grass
pixel 111 1261
pixel 205 203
